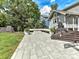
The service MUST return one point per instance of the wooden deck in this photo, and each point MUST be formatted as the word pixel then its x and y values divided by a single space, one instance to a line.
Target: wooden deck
pixel 39 45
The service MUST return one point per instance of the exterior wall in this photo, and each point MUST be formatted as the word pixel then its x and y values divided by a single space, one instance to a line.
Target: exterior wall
pixel 61 18
pixel 54 22
pixel 73 22
pixel 69 22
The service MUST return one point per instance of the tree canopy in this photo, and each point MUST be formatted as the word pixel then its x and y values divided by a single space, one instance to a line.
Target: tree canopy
pixel 54 8
pixel 21 14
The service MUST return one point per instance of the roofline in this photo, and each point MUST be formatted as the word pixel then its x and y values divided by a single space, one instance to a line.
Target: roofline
pixel 60 12
pixel 71 6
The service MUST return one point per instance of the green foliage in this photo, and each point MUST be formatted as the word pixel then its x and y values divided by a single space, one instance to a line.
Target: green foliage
pixel 34 23
pixel 21 14
pixel 8 44
pixel 2 2
pixel 53 29
pixel 2 20
pixel 39 24
pixel 26 13
pixel 54 8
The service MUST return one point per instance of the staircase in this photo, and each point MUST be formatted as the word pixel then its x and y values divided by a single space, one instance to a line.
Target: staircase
pixel 76 36
pixel 70 36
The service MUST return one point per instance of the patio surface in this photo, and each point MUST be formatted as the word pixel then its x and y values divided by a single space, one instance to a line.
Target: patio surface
pixel 40 46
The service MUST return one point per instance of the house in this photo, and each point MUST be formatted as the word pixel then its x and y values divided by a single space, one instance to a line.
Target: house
pixel 44 18
pixel 68 16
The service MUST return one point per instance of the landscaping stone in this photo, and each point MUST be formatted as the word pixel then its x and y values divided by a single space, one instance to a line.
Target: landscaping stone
pixel 2 29
pixel 9 29
pixel 6 29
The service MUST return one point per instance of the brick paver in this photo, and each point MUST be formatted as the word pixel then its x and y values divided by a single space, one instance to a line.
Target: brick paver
pixel 38 45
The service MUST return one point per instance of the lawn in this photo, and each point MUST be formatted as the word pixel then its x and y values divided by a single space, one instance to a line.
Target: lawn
pixel 8 43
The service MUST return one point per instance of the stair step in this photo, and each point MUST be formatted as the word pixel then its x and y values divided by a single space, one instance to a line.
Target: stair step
pixel 69 36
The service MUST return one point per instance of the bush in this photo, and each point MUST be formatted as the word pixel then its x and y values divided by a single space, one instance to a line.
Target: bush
pixel 53 29
pixel 2 20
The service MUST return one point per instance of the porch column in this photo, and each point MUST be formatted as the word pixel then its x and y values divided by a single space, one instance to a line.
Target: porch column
pixel 73 23
pixel 64 21
pixel 78 23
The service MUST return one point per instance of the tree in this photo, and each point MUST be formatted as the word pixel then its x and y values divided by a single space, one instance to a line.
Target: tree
pixel 21 11
pixel 20 14
pixel 53 11
pixel 2 20
pixel 54 6
pixel 1 2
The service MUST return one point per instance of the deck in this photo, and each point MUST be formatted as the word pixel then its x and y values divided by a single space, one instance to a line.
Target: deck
pixel 39 45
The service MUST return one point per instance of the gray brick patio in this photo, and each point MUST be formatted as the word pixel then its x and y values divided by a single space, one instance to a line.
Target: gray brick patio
pixel 40 46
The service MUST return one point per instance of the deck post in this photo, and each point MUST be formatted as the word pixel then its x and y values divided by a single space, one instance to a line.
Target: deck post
pixel 73 24
pixel 78 23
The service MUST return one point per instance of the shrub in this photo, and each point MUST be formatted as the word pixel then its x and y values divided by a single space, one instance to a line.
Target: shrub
pixel 53 29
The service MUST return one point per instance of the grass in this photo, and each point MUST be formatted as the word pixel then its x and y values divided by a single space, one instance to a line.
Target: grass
pixel 8 44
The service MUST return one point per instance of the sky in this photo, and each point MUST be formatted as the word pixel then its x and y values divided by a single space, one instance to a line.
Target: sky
pixel 44 5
